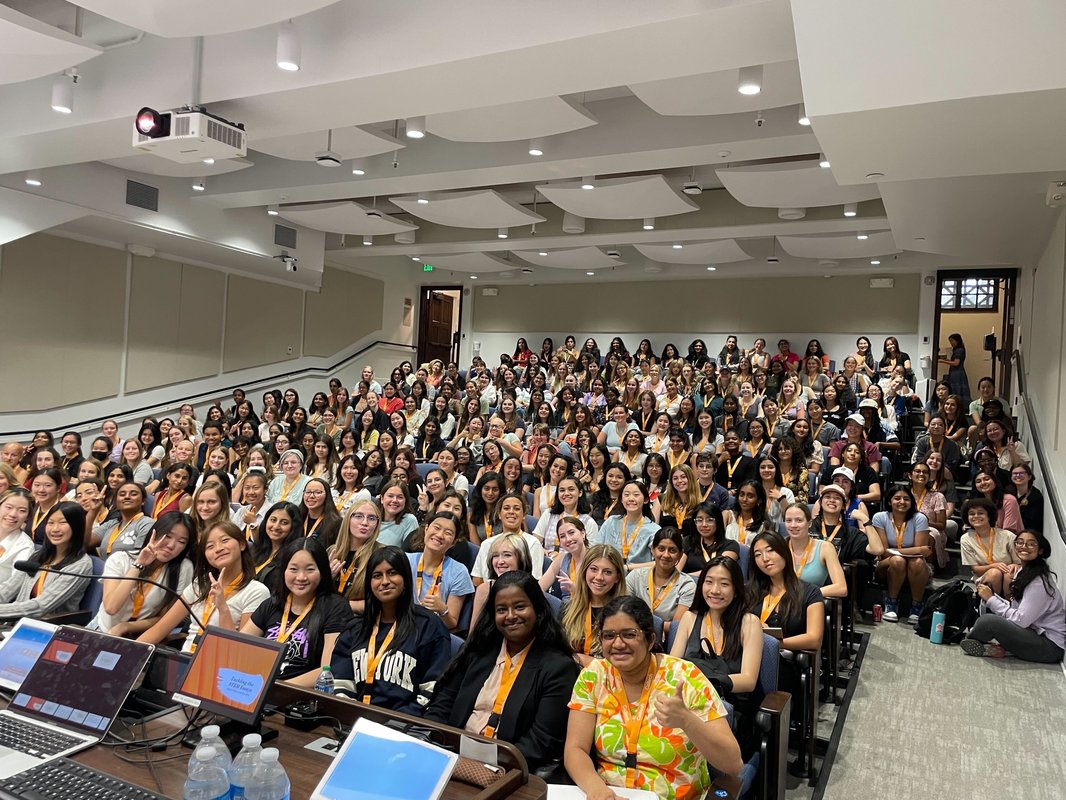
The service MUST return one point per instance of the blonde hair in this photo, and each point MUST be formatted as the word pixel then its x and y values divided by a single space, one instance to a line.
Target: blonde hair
pixel 194 430
pixel 340 548
pixel 573 620
pixel 12 478
pixel 671 499
pixel 517 543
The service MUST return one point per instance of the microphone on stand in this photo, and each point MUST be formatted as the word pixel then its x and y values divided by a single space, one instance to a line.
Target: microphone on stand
pixel 31 568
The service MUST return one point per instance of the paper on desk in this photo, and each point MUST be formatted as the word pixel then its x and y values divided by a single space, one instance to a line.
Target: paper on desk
pixel 560 791
pixel 482 752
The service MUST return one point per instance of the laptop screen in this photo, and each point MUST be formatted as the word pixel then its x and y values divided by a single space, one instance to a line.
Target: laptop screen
pixel 230 674
pixel 81 679
pixel 166 670
pixel 20 650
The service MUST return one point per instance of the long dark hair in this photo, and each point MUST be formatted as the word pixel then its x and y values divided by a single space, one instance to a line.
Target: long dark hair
pixel 316 618
pixel 262 545
pixel 164 525
pixel 75 517
pixel 485 637
pixel 203 572
pixel 1037 568
pixel 478 509
pixel 712 510
pixel 733 615
pixel 405 606
pixel 760 584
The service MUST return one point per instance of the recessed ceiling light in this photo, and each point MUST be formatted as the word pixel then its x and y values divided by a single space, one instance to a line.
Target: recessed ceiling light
pixel 368 241
pixel 862 236
pixel 416 127
pixel 803 119
pixel 198 186
pixel 501 233
pixel 536 147
pixel 422 200
pixel 209 161
pixel 750 82
pixel 851 209
pixel 588 183
pixel 725 153
pixel 677 245
pixel 711 269
pixel 542 253
pixel 590 274
pixel 416 258
pixel 63 93
pixel 653 269
pixel 33 179
pixel 823 162
pixel 358 168
pixel 875 261
pixel 288 48
pixel 272 210
pixel 473 277
pixel 649 223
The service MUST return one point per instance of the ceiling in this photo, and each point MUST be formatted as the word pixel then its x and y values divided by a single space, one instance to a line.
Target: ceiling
pixel 944 153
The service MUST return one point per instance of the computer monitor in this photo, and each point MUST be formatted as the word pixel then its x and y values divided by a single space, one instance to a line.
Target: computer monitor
pixel 20 650
pixel 230 674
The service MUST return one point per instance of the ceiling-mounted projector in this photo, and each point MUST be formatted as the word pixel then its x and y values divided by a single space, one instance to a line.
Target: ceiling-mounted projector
pixel 188 135
pixel 327 158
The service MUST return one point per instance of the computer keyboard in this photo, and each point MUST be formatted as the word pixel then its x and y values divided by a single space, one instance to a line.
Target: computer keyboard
pixel 36 740
pixel 64 779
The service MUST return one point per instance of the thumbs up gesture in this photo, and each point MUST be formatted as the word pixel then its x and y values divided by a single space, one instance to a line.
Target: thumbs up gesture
pixel 671 711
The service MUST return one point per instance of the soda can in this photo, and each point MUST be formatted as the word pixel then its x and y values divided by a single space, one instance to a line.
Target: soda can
pixel 877 612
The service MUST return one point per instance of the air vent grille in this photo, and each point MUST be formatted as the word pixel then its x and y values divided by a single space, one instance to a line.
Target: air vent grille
pixel 142 196
pixel 284 236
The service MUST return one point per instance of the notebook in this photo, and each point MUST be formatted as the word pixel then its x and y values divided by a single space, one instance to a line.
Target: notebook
pixel 20 650
pixel 69 697
pixel 380 763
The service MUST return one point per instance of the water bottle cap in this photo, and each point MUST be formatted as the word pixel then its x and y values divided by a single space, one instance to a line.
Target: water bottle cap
pixel 205 753
pixel 269 755
pixel 325 668
pixel 252 740
pixel 209 731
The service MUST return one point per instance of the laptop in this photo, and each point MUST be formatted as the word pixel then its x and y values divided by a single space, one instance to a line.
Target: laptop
pixel 69 697
pixel 230 674
pixel 155 696
pixel 21 648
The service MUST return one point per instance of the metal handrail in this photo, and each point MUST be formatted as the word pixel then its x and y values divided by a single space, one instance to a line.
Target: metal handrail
pixel 1037 445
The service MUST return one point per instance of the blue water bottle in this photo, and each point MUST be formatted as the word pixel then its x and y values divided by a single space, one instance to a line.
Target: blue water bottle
pixel 936 633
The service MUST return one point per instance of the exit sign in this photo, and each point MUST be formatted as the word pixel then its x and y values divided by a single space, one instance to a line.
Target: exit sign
pixel 427 267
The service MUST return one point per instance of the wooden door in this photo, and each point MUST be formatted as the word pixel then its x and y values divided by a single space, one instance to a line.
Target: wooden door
pixel 435 340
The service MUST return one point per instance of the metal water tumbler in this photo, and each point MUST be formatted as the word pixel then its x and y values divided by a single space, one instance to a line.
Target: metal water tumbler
pixel 936 633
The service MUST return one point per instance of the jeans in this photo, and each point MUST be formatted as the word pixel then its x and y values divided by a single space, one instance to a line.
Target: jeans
pixel 1023 643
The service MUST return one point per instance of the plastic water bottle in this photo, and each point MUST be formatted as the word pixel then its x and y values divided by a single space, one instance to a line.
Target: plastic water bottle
pixel 269 781
pixel 324 681
pixel 209 735
pixel 206 780
pixel 936 632
pixel 244 765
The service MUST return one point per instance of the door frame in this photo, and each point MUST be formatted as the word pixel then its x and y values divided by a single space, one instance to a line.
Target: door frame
pixel 1005 343
pixel 424 293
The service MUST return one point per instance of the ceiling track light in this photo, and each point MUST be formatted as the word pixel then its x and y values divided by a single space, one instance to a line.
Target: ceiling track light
pixel 422 199
pixel 750 82
pixel 862 236
pixel 416 127
pixel 791 213
pixel 823 161
pixel 536 147
pixel 208 161
pixel 199 185
pixel 63 92
pixel 33 179
pixel 802 117
pixel 273 210
pixel 288 48
pixel 851 209
pixel 416 258
pixel 368 241
pixel 875 261
pixel 649 223
pixel 588 183
pixel 501 233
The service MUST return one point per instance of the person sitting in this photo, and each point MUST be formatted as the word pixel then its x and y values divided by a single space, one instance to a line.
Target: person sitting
pixel 724 639
pixel 1008 514
pixel 392 655
pixel 511 516
pixel 673 721
pixel 15 545
pixel 1030 499
pixel 600 578
pixel 1032 624
pixel 282 524
pixel 854 433
pixel 441 583
pixel 513 678
pixel 987 550
pixel 749 514
pixel 565 562
pixel 631 530
pixel 304 612
pixel 349 555
pixel 507 553
pixel 814 560
pixel 833 526
pixel 902 558
pixel 710 540
pixel 666 589
pixel 936 439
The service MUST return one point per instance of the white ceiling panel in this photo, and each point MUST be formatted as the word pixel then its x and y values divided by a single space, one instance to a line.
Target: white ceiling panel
pixel 619 198
pixel 482 208
pixel 575 258
pixel 472 263
pixel 157 165
pixel 347 217
pixel 716 92
pixel 880 243
pixel 22 213
pixel 528 119
pixel 31 49
pixel 801 185
pixel 200 17
pixel 348 142
pixel 723 251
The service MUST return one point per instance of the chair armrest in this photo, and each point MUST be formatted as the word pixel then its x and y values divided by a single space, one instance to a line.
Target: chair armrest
pixel 775 703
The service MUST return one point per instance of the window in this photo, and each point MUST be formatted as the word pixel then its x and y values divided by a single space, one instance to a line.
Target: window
pixel 969 294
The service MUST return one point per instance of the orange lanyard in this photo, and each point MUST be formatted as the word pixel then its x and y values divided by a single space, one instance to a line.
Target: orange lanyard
pixel 550 494
pixel 991 544
pixel 830 537
pixel 674 463
pixel 804 559
pixel 436 578
pixel 633 722
pixel 264 565
pixel 707 492
pixel 731 467
pixel 167 499
pixel 753 449
pixel 629 462
pixel 627 542
pixel 745 406
pixel 680 512
pixel 488 528
pixel 425 451
pixel 900 530
pixel 708 629
pixel 311 533
pixel 138 598
pixel 40 515
pixel 38 585
pixel 657 445
pixel 284 629
pixel 658 597
pixel 209 604
pixel 586 645
pixel 346 574
pixel 373 658
pixel 814 436
pixel 119 530
pixel 769 603
pixel 287 488
pixel 511 668
pixel 919 500
pixel 742 529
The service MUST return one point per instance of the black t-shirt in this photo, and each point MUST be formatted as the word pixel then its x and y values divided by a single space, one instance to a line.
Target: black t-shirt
pixel 796 624
pixel 745 470
pixel 849 542
pixel 300 654
pixel 696 562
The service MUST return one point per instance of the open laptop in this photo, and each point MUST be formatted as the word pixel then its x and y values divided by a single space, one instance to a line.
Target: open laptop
pixel 69 698
pixel 21 648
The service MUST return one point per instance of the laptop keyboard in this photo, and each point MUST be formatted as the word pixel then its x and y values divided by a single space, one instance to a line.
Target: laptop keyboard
pixel 64 779
pixel 34 739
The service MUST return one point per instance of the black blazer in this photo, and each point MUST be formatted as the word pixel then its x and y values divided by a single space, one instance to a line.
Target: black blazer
pixel 535 715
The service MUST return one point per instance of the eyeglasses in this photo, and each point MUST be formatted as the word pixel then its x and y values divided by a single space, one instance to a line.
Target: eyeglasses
pixel 628 635
pixel 370 518
pixel 1023 545
pixel 1020 474
pixel 313 493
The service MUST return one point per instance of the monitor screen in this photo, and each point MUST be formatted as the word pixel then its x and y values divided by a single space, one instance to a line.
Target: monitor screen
pixel 82 679
pixel 166 670
pixel 21 649
pixel 230 674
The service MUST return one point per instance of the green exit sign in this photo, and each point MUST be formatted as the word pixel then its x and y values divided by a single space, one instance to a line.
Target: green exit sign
pixel 427 267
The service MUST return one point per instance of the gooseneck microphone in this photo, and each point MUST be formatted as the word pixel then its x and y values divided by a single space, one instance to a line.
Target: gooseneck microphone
pixel 31 568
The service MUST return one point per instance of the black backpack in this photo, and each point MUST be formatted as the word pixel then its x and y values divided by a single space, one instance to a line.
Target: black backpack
pixel 958 603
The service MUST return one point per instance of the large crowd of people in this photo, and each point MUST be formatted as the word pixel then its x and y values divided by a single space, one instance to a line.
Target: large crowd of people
pixel 610 532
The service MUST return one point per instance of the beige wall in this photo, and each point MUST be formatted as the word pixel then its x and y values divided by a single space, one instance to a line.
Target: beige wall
pixel 348 308
pixel 62 306
pixel 973 327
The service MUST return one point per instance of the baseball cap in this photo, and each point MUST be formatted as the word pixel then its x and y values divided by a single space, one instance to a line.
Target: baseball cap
pixel 846 472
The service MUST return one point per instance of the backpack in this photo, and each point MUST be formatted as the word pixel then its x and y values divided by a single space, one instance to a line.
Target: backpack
pixel 958 602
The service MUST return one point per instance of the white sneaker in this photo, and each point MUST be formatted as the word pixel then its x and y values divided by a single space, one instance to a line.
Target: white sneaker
pixel 890 616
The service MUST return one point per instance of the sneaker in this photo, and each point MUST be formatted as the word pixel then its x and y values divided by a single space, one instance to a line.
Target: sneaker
pixel 972 647
pixel 891 612
pixel 916 609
